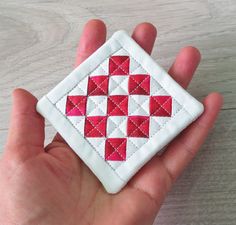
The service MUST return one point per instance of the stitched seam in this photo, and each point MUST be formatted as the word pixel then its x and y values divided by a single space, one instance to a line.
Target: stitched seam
pixel 75 105
pixel 77 85
pixel 86 75
pixel 161 127
pixel 118 105
pixel 98 86
pixel 102 156
pixel 138 127
pixel 86 140
pixel 139 84
pixel 160 106
pixel 118 42
pixel 97 105
pixel 131 72
pixel 140 105
pixel 119 66
pixel 116 125
pixel 118 84
pixel 115 149
pixel 95 126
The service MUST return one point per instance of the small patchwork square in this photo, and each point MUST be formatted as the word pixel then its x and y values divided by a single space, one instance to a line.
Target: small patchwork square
pixel 115 149
pixel 78 122
pixel 118 85
pixel 138 126
pixel 98 85
pixel 76 105
pixel 96 106
pixel 117 105
pixel 119 65
pixel 95 126
pixel 138 105
pixel 155 87
pixel 116 126
pixel 139 84
pixel 161 105
pixel 117 109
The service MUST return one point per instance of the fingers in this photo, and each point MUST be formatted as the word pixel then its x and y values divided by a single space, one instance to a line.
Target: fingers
pixel 93 36
pixel 184 148
pixel 26 132
pixel 185 65
pixel 158 175
pixel 145 35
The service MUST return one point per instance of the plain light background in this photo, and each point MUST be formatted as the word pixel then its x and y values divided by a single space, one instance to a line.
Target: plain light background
pixel 38 40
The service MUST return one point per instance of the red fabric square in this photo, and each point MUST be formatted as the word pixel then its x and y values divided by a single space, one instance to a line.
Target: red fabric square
pixel 161 106
pixel 117 105
pixel 98 85
pixel 95 126
pixel 119 65
pixel 76 105
pixel 138 126
pixel 115 149
pixel 139 84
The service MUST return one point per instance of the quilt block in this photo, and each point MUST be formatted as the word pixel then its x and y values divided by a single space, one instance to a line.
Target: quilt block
pixel 118 109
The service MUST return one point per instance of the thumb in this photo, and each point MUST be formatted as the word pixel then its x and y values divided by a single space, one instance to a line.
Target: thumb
pixel 26 132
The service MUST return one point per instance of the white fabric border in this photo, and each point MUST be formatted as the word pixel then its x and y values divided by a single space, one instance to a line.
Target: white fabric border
pixel 113 180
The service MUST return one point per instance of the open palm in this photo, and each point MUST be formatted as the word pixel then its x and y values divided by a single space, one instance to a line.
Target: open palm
pixel 53 186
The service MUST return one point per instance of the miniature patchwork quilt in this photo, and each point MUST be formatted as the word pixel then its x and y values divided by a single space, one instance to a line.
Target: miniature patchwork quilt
pixel 118 109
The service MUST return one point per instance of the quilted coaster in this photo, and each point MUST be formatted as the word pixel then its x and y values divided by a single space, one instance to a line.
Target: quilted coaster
pixel 118 109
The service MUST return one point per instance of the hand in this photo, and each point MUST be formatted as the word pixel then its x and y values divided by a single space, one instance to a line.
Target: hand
pixel 53 186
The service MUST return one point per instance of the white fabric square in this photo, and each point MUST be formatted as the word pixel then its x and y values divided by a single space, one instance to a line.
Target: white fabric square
pixel 138 105
pixel 78 122
pixel 101 69
pixel 96 106
pixel 117 126
pixel 155 87
pixel 98 144
pixel 80 88
pixel 118 85
pixel 133 145
pixel 61 105
pixel 136 151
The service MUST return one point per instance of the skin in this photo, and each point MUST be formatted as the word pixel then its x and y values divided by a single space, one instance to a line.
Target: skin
pixel 51 185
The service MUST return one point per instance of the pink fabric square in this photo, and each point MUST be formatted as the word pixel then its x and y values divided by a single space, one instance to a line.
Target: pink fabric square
pixel 95 126
pixel 117 105
pixel 98 85
pixel 119 65
pixel 115 149
pixel 76 105
pixel 139 84
pixel 161 106
pixel 138 126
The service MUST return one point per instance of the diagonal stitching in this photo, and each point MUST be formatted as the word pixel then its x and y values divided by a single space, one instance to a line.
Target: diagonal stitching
pixel 118 104
pixel 118 84
pixel 97 105
pixel 116 149
pixel 138 84
pixel 119 66
pixel 138 126
pixel 140 105
pixel 77 85
pixel 111 167
pixel 117 126
pixel 160 105
pixel 155 85
pixel 95 126
pixel 98 85
pixel 121 47
pixel 75 105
